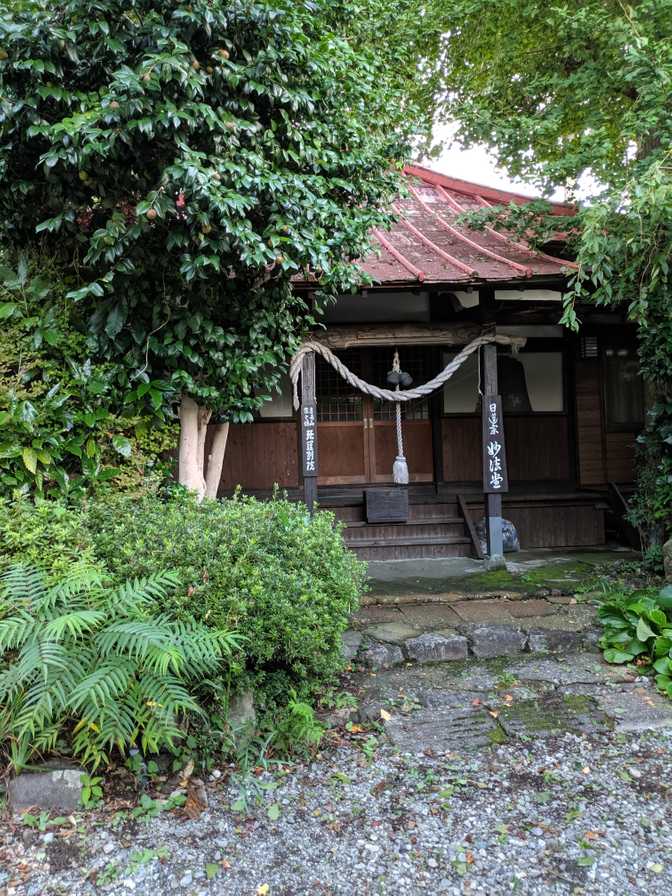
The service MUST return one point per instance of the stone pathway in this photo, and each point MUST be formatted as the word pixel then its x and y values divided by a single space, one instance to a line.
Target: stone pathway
pixel 468 705
pixel 463 672
pixel 452 626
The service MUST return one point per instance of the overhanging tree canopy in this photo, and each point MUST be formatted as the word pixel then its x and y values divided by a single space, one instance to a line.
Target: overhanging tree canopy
pixel 581 90
pixel 185 160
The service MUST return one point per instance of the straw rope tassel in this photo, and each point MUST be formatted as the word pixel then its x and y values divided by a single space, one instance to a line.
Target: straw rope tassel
pixel 400 467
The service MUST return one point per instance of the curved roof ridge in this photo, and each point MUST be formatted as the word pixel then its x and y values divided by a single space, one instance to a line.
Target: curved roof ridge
pixel 471 188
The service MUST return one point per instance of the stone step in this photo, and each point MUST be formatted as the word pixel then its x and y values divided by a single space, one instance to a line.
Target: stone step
pixel 411 548
pixel 389 644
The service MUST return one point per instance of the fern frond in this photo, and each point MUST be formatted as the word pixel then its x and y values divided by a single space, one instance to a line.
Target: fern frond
pixel 82 654
pixel 165 693
pixel 141 640
pixel 106 683
pixel 16 630
pixel 22 585
pixel 74 624
pixel 140 592
pixel 82 579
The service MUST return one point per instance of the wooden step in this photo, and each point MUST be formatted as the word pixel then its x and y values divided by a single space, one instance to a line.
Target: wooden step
pixel 442 509
pixel 392 532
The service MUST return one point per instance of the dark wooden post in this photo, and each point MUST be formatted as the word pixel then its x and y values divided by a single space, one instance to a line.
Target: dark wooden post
pixel 309 431
pixel 494 442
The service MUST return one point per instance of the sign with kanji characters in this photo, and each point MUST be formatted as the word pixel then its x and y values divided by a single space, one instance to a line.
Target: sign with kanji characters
pixel 309 439
pixel 495 478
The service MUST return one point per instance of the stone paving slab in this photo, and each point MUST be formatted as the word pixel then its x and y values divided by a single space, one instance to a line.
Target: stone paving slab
pixel 390 632
pixel 429 616
pixel 553 714
pixel 487 641
pixel 635 708
pixel 432 647
pixel 520 609
pixel 494 610
pixel 375 614
pixel 444 729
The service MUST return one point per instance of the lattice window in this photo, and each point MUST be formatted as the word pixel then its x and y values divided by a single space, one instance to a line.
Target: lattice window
pixel 337 401
pixel 414 360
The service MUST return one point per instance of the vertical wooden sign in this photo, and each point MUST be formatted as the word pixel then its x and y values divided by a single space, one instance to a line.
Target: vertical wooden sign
pixel 308 420
pixel 309 439
pixel 495 476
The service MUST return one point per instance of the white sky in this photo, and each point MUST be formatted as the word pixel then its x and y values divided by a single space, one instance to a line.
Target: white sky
pixel 476 165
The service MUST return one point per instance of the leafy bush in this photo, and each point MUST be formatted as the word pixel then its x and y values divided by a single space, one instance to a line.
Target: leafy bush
pixel 46 534
pixel 639 629
pixel 86 662
pixel 68 423
pixel 267 569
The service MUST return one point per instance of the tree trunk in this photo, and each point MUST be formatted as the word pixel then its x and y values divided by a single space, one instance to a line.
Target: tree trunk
pixel 216 460
pixel 193 429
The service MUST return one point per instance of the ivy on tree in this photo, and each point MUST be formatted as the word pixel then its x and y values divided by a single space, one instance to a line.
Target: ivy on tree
pixel 579 93
pixel 186 162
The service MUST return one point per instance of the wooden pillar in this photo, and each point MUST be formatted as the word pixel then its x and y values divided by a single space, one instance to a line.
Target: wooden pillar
pixel 435 406
pixel 309 431
pixel 493 500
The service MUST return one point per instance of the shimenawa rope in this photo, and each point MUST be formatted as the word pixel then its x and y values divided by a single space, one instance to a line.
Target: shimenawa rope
pixel 400 467
pixel 391 394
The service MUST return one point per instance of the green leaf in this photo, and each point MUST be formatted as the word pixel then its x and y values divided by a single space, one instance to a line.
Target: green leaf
pixel 212 870
pixel 644 631
pixel 121 445
pixel 657 617
pixel 665 597
pixel 30 459
pixel 115 321
pixel 617 656
pixel 273 812
pixel 7 309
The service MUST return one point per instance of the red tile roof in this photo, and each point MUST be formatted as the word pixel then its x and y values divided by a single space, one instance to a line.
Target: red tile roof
pixel 425 245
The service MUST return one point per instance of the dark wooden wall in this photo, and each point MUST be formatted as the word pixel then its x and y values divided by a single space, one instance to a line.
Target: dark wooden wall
pixel 259 455
pixel 537 448
pixel 540 447
pixel 602 456
pixel 552 522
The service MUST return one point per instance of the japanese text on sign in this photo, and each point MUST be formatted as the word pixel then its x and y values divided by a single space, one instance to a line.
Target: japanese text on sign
pixel 494 454
pixel 309 440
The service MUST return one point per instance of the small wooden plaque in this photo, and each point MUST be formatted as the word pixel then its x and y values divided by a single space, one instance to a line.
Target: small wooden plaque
pixel 386 505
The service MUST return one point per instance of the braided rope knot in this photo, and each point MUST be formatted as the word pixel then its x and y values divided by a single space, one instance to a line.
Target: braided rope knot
pixel 396 395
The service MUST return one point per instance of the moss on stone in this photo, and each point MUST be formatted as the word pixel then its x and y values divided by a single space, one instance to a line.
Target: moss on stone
pixel 497 736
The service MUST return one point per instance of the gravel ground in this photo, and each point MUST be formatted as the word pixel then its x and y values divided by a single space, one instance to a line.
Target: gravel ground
pixel 573 814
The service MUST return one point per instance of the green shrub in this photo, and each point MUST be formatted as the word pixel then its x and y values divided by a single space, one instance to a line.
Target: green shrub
pixel 267 569
pixel 92 668
pixel 48 534
pixel 638 628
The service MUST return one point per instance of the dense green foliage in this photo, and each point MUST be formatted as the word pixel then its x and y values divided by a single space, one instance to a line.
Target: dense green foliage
pixel 65 427
pixel 267 569
pixel 639 629
pixel 579 92
pixel 184 160
pixel 94 669
pixel 283 580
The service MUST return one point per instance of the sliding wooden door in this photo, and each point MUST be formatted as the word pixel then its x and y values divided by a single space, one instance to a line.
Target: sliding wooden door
pixel 357 435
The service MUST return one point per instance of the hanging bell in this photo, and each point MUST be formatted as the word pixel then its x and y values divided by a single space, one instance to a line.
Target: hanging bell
pixel 394 377
pixel 406 380
pixel 513 385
